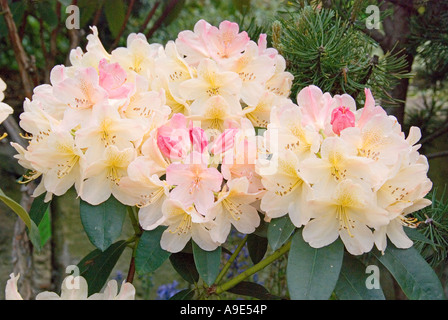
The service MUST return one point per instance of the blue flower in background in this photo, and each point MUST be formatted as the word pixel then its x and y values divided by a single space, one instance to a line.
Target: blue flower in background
pixel 166 291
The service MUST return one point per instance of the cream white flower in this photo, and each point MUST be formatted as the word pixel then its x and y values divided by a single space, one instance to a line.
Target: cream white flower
pixel 5 110
pixel 286 132
pixel 210 82
pixel 74 288
pixel 338 161
pixel 185 223
pixel 254 70
pixel 63 161
pixel 286 191
pixel 402 194
pixel 233 207
pixel 138 56
pixel 107 128
pixel 11 290
pixel 347 212
pixel 102 177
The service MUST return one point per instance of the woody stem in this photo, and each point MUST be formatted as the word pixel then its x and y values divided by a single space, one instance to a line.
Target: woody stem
pixel 254 269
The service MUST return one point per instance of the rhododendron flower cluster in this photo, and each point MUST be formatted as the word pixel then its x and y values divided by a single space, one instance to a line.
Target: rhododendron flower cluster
pixel 169 129
pixel 174 129
pixel 342 172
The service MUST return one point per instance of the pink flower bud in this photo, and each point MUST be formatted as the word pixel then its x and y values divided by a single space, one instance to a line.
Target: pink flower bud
pixel 112 78
pixel 342 118
pixel 198 139
pixel 173 138
pixel 224 141
pixel 171 148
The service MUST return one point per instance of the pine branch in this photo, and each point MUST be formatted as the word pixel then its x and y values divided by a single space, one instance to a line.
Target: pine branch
pixel 437 154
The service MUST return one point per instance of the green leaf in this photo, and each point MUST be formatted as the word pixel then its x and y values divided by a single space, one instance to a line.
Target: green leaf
pixel 184 265
pixel 45 228
pixel 115 14
pixel 415 235
pixel 17 208
pixel 33 230
pixel 47 13
pixel 252 289
pixel 149 255
pixel 186 294
pixel 279 231
pixel 414 275
pixel 103 223
pixel 97 265
pixel 39 208
pixel 312 273
pixel 257 247
pixel 207 263
pixel 352 282
pixel 40 215
pixel 262 229
pixel 174 11
pixel 87 9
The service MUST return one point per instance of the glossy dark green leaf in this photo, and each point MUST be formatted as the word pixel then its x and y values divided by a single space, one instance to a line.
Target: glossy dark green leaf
pixel 38 208
pixel 97 265
pixel 207 263
pixel 103 223
pixel 257 247
pixel 115 12
pixel 279 231
pixel 45 228
pixel 262 229
pixel 33 230
pixel 416 235
pixel 183 263
pixel 87 9
pixel 312 273
pixel 414 275
pixel 352 282
pixel 252 289
pixel 40 214
pixel 17 208
pixel 186 294
pixel 149 256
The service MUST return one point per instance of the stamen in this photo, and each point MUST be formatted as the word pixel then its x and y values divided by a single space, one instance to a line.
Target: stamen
pixel 344 220
pixel 233 209
pixel 184 226
pixel 67 166
pixel 148 199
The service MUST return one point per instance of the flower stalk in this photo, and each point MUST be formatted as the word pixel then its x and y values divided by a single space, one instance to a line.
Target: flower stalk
pixel 133 215
pixel 254 269
pixel 231 259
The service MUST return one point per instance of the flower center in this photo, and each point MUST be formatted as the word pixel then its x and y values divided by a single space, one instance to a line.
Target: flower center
pixel 184 226
pixel 344 220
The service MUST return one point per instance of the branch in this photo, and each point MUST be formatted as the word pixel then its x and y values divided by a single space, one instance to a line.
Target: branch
pixel 435 134
pixel 164 15
pixel 374 34
pixel 23 61
pixel 406 4
pixel 98 12
pixel 252 270
pixel 437 154
pixel 149 17
pixel 123 26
